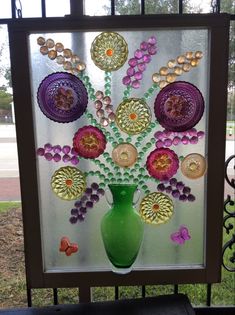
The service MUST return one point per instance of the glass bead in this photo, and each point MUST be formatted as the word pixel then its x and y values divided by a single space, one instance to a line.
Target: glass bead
pixel 163 71
pixel 114 144
pixel 44 50
pixel 52 54
pixel 198 54
pixel 128 139
pixel 181 59
pixel 135 84
pixel 99 95
pixel 41 41
pixel 156 77
pixel 107 86
pixel 93 121
pixel 107 79
pixel 109 109
pixel 171 77
pixel 111 139
pixel 144 46
pixel 126 80
pixel 162 84
pixel 141 154
pixel 102 185
pixel 130 72
pixel 194 62
pixel 141 66
pixel 171 63
pixel 59 47
pixel 104 122
pixel 80 66
pixel 189 55
pixel 147 58
pixel 150 90
pixel 67 65
pixel 138 75
pixel 186 67
pixel 146 95
pixel 138 54
pixel 152 50
pixel 50 43
pixel 75 59
pixel 40 151
pixel 132 62
pixel 60 60
pixel 178 70
pixel 107 100
pixel 98 105
pixel 67 53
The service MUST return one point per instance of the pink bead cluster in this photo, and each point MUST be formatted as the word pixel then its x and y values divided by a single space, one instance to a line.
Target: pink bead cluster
pixel 57 153
pixel 142 56
pixel 168 138
pixel 103 104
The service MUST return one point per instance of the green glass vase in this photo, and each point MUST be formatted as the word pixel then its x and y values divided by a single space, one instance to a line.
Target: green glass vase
pixel 122 229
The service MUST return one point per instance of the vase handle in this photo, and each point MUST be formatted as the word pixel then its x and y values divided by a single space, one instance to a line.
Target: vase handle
pixel 107 197
pixel 136 196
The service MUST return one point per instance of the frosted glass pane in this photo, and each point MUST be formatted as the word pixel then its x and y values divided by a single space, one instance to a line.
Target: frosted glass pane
pixel 158 250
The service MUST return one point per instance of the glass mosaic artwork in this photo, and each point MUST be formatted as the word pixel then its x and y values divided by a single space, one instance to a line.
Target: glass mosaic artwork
pixel 119 108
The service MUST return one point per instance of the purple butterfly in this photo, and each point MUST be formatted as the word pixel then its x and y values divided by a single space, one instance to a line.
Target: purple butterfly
pixel 181 235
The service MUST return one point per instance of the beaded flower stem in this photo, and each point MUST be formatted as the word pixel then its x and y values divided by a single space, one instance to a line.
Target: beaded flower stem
pixel 127 92
pixel 86 80
pixel 150 91
pixel 107 86
pixel 96 124
pixel 117 135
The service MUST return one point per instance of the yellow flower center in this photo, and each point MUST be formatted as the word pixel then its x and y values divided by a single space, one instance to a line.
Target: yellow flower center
pixel 193 166
pixel 133 116
pixel 89 141
pixel 109 52
pixel 69 182
pixel 162 162
pixel 155 207
pixel 124 156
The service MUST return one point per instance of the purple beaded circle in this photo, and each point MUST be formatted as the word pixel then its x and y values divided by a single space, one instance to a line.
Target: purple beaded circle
pixel 62 97
pixel 179 106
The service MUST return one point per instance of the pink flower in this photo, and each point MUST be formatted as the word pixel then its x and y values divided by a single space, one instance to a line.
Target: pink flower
pixel 162 163
pixel 89 142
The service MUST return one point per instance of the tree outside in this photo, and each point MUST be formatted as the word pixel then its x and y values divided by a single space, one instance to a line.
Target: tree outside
pixel 5 79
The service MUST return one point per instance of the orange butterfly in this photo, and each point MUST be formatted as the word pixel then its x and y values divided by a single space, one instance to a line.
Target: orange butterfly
pixel 67 247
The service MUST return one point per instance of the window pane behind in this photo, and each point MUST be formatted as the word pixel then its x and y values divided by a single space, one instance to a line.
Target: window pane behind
pixel 156 7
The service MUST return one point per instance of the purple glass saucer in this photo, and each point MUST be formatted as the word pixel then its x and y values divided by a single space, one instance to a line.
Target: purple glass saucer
pixel 179 106
pixel 62 97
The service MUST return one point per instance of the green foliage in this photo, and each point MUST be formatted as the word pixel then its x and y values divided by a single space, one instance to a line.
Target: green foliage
pixel 5 205
pixel 5 99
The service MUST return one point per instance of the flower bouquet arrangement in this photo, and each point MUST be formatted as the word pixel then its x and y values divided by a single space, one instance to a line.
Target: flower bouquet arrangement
pixel 133 142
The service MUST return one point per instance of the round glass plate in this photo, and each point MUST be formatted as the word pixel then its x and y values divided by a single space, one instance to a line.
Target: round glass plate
pixel 68 183
pixel 133 116
pixel 156 208
pixel 89 142
pixel 62 97
pixel 162 163
pixel 109 51
pixel 193 166
pixel 124 155
pixel 179 106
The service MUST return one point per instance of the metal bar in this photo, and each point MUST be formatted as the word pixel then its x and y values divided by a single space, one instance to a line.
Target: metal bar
pixel 116 293
pixel 55 296
pixel 76 8
pixel 84 294
pixel 29 297
pixel 112 7
pixel 180 6
pixel 43 8
pixel 218 6
pixel 208 295
pixel 176 288
pixel 142 7
pixel 13 9
pixel 143 291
